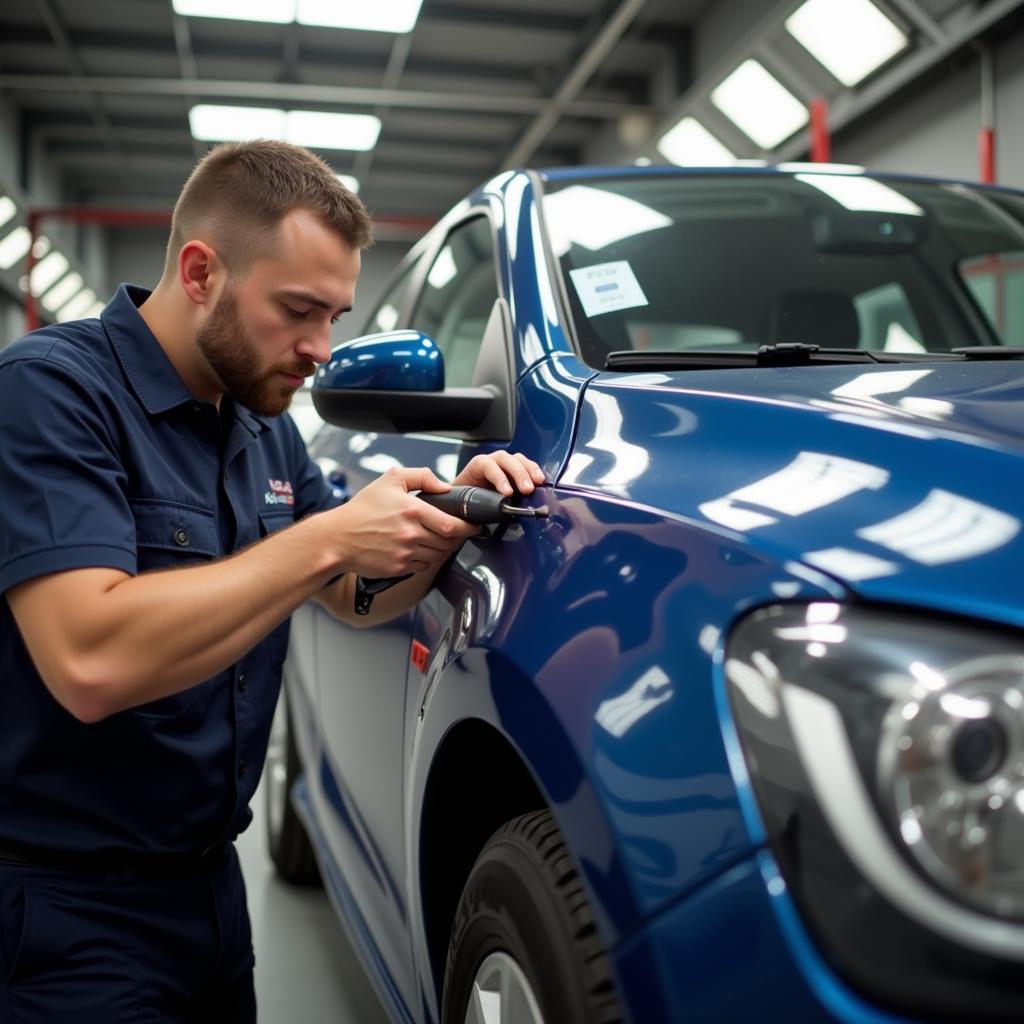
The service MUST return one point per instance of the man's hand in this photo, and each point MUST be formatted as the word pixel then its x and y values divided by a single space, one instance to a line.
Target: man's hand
pixel 503 471
pixel 387 531
pixel 390 532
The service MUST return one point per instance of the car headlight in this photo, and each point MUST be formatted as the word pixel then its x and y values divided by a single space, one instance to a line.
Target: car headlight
pixel 886 752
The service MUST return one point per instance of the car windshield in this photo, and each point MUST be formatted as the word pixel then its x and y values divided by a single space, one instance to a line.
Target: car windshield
pixel 676 262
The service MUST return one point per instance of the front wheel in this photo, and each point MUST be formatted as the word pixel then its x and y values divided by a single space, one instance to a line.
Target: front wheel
pixel 524 948
pixel 287 842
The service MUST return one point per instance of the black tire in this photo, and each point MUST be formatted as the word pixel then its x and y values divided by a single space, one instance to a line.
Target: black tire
pixel 287 841
pixel 524 898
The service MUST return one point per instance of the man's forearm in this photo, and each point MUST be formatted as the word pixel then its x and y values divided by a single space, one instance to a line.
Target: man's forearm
pixel 153 635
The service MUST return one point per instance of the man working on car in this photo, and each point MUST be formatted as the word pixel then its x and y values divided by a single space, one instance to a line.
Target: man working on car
pixel 135 701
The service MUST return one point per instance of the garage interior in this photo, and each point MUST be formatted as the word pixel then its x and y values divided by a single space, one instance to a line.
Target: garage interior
pixel 102 108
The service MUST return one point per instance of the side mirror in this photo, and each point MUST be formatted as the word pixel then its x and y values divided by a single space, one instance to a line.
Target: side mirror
pixel 394 382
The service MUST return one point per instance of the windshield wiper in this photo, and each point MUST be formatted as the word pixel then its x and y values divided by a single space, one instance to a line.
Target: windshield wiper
pixel 787 354
pixel 990 352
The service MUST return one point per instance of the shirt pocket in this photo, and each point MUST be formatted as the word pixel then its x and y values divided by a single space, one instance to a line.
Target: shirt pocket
pixel 277 641
pixel 169 534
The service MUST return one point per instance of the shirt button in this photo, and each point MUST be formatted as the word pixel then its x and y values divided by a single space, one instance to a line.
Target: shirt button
pixel 181 537
pixel 242 684
pixel 241 768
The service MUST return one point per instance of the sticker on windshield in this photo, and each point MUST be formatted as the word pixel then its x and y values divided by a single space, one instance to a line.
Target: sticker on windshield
pixel 608 287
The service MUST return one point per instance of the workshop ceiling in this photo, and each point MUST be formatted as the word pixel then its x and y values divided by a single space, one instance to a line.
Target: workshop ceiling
pixel 103 88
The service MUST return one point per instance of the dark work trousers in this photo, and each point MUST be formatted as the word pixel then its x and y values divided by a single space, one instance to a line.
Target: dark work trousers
pixel 131 946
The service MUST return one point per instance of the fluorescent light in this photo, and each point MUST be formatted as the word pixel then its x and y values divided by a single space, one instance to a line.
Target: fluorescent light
pixel 850 37
pixel 41 247
pixel 62 292
pixel 278 11
pixel 13 247
pixel 690 144
pixel 759 104
pixel 7 209
pixel 857 193
pixel 352 184
pixel 331 131
pixel 76 308
pixel 47 272
pixel 95 309
pixel 381 16
pixel 594 218
pixel 212 123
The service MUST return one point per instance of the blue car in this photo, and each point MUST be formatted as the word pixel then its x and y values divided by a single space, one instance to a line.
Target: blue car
pixel 736 731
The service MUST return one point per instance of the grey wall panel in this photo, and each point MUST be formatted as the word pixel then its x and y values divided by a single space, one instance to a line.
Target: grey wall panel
pixel 936 131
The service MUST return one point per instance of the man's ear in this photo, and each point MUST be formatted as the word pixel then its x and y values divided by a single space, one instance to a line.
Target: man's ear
pixel 198 271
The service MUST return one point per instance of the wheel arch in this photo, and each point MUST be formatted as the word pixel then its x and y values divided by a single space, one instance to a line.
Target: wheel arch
pixel 451 839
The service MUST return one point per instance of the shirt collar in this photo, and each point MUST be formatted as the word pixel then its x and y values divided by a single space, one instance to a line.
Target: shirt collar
pixel 150 373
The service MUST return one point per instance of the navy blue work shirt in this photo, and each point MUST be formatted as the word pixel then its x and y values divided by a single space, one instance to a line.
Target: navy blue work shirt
pixel 107 459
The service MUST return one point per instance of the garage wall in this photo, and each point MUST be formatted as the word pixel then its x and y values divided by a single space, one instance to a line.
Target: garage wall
pixel 935 131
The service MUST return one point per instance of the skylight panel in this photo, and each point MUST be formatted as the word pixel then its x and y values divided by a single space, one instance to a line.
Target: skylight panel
pixel 851 38
pixel 689 144
pixel 760 105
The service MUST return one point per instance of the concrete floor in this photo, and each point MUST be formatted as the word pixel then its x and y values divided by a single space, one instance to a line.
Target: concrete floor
pixel 306 969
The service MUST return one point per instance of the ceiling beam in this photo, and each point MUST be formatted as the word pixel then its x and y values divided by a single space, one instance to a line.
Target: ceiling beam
pixel 573 83
pixel 55 26
pixel 356 96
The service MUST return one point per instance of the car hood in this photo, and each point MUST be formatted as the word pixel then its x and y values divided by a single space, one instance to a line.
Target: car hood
pixel 901 481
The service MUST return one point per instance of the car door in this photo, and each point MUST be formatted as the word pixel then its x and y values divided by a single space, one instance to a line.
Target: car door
pixel 362 673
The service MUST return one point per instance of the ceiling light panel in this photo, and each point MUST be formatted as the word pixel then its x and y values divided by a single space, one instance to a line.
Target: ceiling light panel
pixel 63 292
pixel 48 271
pixel 13 247
pixel 212 123
pixel 7 209
pixel 851 38
pixel 690 144
pixel 76 308
pixel 382 16
pixel 318 130
pixel 331 131
pixel 760 105
pixel 279 12
pixel 352 184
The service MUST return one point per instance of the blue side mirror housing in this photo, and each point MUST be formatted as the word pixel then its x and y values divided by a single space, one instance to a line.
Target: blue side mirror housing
pixel 395 361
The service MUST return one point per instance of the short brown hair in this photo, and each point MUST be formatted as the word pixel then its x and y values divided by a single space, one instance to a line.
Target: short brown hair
pixel 239 192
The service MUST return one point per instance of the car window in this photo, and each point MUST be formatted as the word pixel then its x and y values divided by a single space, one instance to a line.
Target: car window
pixel 734 262
pixel 457 299
pixel 385 316
pixel 996 281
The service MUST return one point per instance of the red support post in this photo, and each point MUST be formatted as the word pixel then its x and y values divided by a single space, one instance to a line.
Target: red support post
pixel 821 139
pixel 987 155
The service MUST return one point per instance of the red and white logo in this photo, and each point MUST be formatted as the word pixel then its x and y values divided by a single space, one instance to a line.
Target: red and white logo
pixel 280 493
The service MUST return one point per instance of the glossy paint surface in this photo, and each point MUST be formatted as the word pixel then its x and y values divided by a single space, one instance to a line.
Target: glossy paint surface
pixel 589 643
pixel 398 361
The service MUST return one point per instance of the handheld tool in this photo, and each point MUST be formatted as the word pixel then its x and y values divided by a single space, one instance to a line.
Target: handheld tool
pixel 474 505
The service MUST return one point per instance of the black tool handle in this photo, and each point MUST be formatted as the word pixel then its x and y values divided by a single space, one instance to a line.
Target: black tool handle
pixel 474 504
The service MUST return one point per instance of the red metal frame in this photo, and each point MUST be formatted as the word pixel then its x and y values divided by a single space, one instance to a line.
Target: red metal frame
pixel 821 137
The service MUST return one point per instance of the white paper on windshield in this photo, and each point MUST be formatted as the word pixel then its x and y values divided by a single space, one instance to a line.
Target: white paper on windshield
pixel 607 287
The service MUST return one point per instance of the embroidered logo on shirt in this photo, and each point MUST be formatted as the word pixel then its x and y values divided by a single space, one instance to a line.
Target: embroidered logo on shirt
pixel 280 493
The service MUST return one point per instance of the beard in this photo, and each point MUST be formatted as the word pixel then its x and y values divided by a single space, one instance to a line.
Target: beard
pixel 234 357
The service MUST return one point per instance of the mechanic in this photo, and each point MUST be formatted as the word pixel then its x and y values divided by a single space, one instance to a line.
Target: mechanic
pixel 147 473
